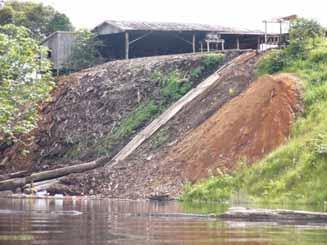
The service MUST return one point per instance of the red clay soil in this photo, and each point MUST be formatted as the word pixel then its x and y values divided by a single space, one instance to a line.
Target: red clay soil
pixel 247 128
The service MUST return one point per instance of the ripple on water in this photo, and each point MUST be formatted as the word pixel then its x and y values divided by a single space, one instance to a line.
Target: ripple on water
pixel 116 222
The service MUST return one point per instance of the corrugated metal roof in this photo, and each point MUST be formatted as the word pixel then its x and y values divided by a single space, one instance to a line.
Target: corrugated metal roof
pixel 123 26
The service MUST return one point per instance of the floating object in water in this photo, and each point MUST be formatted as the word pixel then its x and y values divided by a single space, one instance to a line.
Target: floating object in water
pixel 42 193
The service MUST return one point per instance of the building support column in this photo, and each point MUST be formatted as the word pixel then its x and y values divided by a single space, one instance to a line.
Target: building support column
pixel 238 43
pixel 281 32
pixel 126 46
pixel 193 43
pixel 258 43
pixel 208 46
pixel 223 45
pixel 266 31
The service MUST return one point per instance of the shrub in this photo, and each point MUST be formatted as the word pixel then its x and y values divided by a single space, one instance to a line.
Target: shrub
pixel 25 81
pixel 212 60
pixel 84 52
pixel 318 55
pixel 273 62
pixel 214 189
pixel 173 86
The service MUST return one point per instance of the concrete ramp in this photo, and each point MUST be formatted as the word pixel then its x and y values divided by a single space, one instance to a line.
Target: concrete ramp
pixel 157 123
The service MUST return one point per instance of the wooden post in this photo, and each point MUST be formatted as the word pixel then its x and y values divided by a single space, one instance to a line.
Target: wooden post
pixel 193 43
pixel 266 31
pixel 281 27
pixel 258 43
pixel 126 46
pixel 238 43
pixel 281 32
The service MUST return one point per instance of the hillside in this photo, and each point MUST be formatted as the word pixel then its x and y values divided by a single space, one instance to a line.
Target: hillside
pixel 94 112
pixel 243 130
pixel 145 172
pixel 296 171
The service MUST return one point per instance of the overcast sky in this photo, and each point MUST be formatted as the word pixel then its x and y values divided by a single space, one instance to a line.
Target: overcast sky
pixel 233 13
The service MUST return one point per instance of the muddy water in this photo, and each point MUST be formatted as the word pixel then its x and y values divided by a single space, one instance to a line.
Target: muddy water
pixel 78 222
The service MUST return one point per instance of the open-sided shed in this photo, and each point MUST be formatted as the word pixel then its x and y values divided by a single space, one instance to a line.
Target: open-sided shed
pixel 127 39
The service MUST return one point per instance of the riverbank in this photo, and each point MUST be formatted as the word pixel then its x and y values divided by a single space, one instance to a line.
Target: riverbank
pixel 297 171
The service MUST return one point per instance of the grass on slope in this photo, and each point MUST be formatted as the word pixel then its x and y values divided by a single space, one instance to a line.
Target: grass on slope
pixel 297 171
pixel 172 86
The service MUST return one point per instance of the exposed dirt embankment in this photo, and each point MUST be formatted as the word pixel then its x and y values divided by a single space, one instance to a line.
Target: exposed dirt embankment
pixel 245 129
pixel 146 171
pixel 89 106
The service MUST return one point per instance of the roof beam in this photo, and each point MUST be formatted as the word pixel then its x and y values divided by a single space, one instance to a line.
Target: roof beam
pixel 139 38
pixel 179 37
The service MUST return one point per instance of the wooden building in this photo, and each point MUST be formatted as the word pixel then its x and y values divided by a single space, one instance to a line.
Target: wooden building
pixel 127 39
pixel 60 45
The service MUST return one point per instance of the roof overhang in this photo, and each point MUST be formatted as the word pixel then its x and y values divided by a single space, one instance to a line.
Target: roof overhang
pixel 113 27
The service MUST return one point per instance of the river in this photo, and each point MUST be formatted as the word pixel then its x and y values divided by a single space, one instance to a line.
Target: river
pixel 85 221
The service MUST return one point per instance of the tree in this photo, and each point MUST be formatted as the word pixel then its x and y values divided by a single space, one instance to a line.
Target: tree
pixel 25 81
pixel 85 51
pixel 40 19
pixel 304 34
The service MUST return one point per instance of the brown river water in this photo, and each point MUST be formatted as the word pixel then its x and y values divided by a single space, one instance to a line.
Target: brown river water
pixel 79 222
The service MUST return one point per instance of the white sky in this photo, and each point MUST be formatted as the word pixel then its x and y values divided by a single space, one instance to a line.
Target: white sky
pixel 233 13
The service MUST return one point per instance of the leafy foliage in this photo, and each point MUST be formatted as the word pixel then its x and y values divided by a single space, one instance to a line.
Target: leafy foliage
pixel 214 190
pixel 212 60
pixel 84 51
pixel 208 62
pixel 40 19
pixel 271 63
pixel 25 81
pixel 304 36
pixel 173 86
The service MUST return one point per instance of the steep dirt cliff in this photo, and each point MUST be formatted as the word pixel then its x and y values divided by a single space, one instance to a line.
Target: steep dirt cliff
pixel 245 129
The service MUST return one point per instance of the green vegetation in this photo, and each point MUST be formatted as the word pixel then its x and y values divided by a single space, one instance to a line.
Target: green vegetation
pixel 217 189
pixel 40 19
pixel 19 237
pixel 25 81
pixel 172 86
pixel 208 62
pixel 85 51
pixel 159 139
pixel 136 119
pixel 297 171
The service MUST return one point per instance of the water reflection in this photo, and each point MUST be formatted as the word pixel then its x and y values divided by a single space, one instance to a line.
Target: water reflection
pixel 81 221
